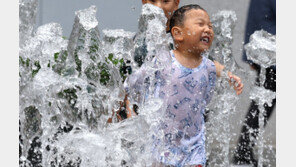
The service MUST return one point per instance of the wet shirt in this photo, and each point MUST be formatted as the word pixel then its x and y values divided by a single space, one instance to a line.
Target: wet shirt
pixel 187 94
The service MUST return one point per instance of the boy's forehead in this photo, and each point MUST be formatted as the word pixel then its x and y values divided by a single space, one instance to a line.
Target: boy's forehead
pixel 197 14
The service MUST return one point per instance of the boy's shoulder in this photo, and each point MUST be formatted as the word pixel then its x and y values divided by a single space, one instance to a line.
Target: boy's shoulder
pixel 208 61
pixel 210 65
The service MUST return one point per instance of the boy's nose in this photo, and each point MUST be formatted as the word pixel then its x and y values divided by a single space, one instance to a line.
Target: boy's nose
pixel 207 30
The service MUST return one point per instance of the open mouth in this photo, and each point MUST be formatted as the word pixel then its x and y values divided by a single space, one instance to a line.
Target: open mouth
pixel 205 39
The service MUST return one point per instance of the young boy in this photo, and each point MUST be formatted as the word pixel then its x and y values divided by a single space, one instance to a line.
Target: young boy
pixel 192 82
pixel 169 6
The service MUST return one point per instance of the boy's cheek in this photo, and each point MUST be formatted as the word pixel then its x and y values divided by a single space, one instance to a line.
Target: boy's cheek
pixel 212 39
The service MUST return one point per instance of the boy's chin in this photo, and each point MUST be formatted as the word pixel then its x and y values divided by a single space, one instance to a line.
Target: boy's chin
pixel 204 50
pixel 201 49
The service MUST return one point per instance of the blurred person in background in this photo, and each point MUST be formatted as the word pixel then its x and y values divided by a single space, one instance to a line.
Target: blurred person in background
pixel 261 15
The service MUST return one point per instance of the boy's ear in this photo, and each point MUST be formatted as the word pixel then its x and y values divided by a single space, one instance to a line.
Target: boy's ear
pixel 177 33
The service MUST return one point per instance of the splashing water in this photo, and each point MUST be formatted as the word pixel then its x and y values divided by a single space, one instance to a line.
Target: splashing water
pixel 264 43
pixel 27 17
pixel 69 88
pixel 223 24
pixel 224 101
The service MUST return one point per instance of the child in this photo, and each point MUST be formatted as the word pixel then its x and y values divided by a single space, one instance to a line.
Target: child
pixel 190 89
pixel 169 6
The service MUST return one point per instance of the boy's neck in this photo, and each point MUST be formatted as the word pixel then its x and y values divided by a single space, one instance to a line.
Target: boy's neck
pixel 187 58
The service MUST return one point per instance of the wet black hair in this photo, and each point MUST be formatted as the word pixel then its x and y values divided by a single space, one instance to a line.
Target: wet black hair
pixel 177 18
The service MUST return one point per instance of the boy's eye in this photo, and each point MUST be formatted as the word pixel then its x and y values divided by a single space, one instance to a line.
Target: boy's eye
pixel 201 24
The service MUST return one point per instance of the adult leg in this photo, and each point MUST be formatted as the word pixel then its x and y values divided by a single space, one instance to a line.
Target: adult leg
pixel 249 133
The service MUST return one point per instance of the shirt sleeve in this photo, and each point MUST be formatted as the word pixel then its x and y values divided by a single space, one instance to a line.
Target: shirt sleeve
pixel 212 80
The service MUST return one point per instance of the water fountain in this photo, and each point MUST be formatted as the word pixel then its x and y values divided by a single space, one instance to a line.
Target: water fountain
pixel 224 101
pixel 69 88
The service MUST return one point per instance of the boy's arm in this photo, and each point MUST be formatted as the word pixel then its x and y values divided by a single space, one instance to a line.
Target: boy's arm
pixel 234 80
pixel 130 112
pixel 117 114
pixel 219 68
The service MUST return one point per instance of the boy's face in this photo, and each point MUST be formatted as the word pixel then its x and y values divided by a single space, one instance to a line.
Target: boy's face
pixel 197 30
pixel 168 6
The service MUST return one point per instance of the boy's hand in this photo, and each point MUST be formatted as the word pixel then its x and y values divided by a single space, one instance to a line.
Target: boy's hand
pixel 117 115
pixel 235 81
